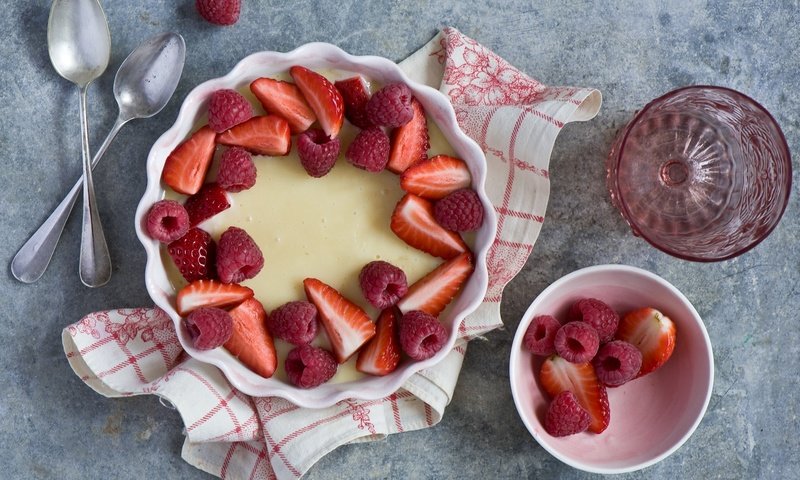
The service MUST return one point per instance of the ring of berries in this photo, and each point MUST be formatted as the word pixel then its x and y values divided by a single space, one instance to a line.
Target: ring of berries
pixel 393 135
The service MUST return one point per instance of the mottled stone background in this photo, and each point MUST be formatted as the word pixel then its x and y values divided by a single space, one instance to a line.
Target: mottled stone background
pixel 52 426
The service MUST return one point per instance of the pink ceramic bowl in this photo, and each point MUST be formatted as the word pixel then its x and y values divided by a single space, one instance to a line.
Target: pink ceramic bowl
pixel 318 56
pixel 651 416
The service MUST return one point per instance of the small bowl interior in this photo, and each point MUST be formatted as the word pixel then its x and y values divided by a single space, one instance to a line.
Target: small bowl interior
pixel 318 56
pixel 651 416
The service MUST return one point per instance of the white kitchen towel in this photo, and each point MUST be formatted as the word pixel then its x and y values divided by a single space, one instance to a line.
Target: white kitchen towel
pixel 515 119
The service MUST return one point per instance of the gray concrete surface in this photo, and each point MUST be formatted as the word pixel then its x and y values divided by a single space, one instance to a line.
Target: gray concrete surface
pixel 52 426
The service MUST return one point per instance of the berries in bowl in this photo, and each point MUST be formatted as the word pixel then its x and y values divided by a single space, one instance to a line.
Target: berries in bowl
pixel 611 369
pixel 310 181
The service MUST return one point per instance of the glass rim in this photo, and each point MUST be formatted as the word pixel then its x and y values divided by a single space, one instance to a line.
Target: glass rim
pixel 622 204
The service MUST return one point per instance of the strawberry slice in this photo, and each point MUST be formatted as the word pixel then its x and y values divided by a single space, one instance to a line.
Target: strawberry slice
pixel 323 98
pixel 207 202
pixel 250 341
pixel 652 332
pixel 413 222
pixel 186 167
pixel 210 293
pixel 410 142
pixel 264 135
pixel 558 375
pixel 434 291
pixel 347 325
pixel 436 177
pixel 355 95
pixel 286 100
pixel 382 354
pixel 194 254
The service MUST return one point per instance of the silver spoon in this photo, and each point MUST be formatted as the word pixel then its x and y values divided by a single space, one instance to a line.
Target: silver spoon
pixel 80 46
pixel 143 85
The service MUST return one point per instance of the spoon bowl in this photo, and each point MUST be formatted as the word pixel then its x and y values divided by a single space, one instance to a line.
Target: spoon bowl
pixel 78 40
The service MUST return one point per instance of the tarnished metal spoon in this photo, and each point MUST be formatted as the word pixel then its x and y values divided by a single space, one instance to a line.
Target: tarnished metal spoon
pixel 143 85
pixel 80 46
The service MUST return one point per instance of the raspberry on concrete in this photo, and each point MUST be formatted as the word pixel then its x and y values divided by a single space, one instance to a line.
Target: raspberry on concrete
pixel 382 283
pixel 540 336
pixel 577 342
pixel 308 367
pixel 226 109
pixel 369 150
pixel 167 221
pixel 209 327
pixel 295 322
pixel 460 211
pixel 237 171
pixel 421 335
pixel 219 12
pixel 238 256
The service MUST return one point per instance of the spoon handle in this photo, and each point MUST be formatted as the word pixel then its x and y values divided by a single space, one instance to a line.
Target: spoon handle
pixel 34 256
pixel 95 262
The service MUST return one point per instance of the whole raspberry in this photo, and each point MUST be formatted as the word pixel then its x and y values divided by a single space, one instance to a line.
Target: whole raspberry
pixel 167 221
pixel 226 109
pixel 209 327
pixel 382 283
pixel 219 12
pixel 390 106
pixel 317 152
pixel 295 322
pixel 460 211
pixel 565 416
pixel 421 335
pixel 577 342
pixel 238 256
pixel 617 362
pixel 369 150
pixel 237 171
pixel 597 314
pixel 308 367
pixel 540 336
pixel 194 254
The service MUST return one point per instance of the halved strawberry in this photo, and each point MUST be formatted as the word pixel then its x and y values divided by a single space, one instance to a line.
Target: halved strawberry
pixel 264 135
pixel 323 98
pixel 250 341
pixel 286 100
pixel 186 167
pixel 413 222
pixel 347 325
pixel 210 293
pixel 434 291
pixel 207 202
pixel 382 354
pixel 436 177
pixel 652 332
pixel 355 95
pixel 194 254
pixel 410 142
pixel 558 375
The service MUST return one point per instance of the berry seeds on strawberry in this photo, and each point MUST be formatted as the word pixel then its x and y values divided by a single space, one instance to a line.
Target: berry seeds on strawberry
pixel 207 202
pixel 195 255
pixel 347 325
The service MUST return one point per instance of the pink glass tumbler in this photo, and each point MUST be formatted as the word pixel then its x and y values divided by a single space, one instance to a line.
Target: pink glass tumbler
pixel 702 173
